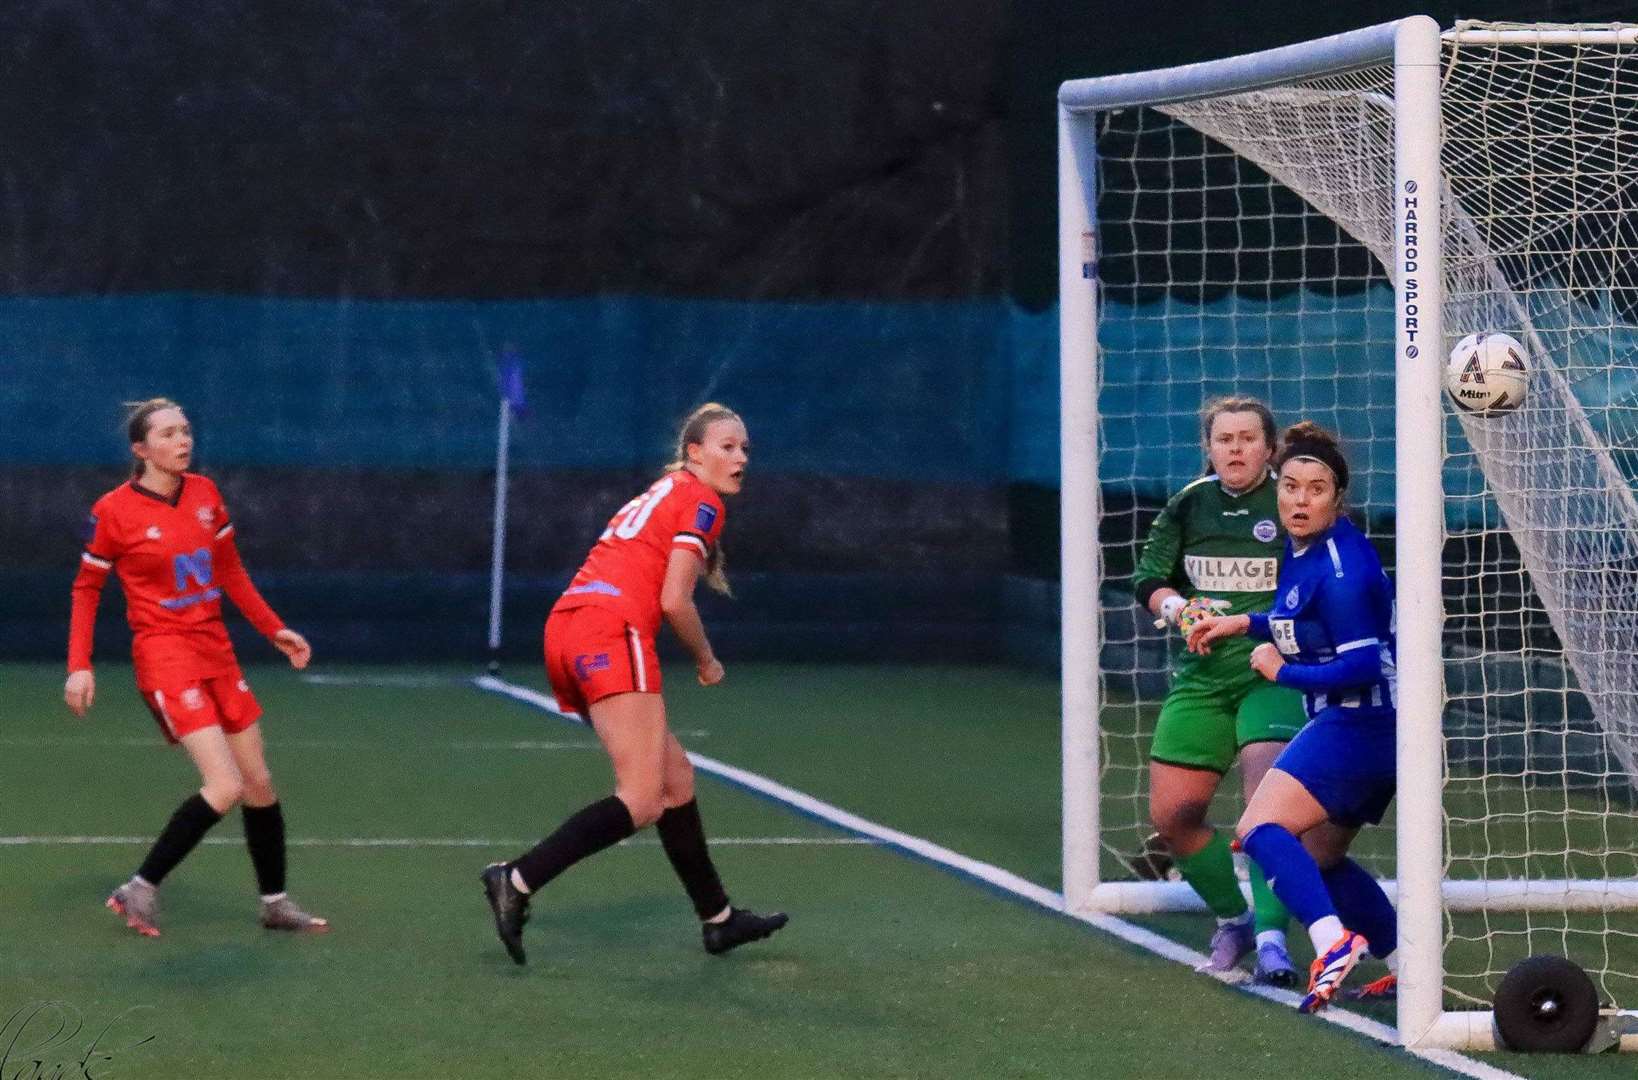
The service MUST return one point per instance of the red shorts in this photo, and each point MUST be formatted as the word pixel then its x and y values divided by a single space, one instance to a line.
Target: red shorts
pixel 592 654
pixel 184 707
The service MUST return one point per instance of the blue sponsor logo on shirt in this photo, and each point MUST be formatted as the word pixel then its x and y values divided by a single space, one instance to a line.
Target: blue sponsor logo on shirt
pixel 178 603
pixel 195 565
pixel 586 664
pixel 594 587
pixel 705 517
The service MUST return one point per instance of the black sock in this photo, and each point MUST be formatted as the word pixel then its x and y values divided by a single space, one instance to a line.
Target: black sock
pixel 682 833
pixel 588 831
pixel 181 835
pixel 264 835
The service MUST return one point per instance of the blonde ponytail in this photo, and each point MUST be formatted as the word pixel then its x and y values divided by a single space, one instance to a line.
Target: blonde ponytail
pixel 693 431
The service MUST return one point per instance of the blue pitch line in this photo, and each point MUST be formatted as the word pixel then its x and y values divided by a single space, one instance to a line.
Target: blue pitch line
pixel 1007 885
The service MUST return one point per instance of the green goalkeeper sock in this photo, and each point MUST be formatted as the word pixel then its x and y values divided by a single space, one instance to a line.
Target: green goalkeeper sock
pixel 1210 871
pixel 1271 914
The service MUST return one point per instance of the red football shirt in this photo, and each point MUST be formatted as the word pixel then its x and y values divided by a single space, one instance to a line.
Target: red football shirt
pixel 626 568
pixel 175 559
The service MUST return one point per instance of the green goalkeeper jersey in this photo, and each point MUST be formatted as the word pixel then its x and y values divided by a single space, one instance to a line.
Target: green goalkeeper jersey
pixel 1209 542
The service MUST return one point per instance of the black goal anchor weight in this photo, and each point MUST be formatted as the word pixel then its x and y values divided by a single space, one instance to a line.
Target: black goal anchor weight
pixel 1546 1004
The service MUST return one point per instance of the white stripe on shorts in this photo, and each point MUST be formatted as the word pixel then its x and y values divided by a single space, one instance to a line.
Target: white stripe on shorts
pixel 164 714
pixel 636 641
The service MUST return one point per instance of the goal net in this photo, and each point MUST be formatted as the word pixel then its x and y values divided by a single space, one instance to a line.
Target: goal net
pixel 1247 232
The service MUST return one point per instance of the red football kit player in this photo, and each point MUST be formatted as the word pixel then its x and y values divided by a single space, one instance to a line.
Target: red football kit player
pixel 168 537
pixel 600 636
pixel 176 558
pixel 601 660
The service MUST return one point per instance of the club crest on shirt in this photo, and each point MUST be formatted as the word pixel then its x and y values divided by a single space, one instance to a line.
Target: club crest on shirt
pixel 193 699
pixel 1292 597
pixel 153 532
pixel 206 515
pixel 244 687
pixel 705 517
pixel 1265 530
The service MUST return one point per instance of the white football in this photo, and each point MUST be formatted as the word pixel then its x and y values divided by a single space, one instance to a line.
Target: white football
pixel 1487 374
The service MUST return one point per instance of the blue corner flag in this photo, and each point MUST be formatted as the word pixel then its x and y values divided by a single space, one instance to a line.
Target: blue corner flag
pixel 511 380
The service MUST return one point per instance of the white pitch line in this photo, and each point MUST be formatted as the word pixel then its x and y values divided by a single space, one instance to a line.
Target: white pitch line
pixel 397 682
pixel 1007 881
pixel 428 841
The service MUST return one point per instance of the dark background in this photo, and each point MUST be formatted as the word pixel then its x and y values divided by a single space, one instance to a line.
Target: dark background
pixel 845 149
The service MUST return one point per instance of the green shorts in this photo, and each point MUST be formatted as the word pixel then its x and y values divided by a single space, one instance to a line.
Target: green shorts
pixel 1204 725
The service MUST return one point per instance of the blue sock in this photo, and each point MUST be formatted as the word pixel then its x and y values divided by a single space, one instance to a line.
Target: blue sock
pixel 1363 906
pixel 1291 872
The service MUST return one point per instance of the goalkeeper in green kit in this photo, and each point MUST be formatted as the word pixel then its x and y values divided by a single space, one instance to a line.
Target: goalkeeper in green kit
pixel 1215 549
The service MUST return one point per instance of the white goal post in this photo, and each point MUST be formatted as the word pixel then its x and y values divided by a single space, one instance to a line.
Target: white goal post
pixel 1486 172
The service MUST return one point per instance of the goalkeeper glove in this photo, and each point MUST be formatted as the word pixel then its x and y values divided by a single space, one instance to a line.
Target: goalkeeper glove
pixel 1197 609
pixel 1183 614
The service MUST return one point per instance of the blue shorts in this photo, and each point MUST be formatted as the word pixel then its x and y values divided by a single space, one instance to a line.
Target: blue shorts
pixel 1346 759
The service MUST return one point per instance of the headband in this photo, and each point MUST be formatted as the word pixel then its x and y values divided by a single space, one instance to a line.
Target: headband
pixel 1330 467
